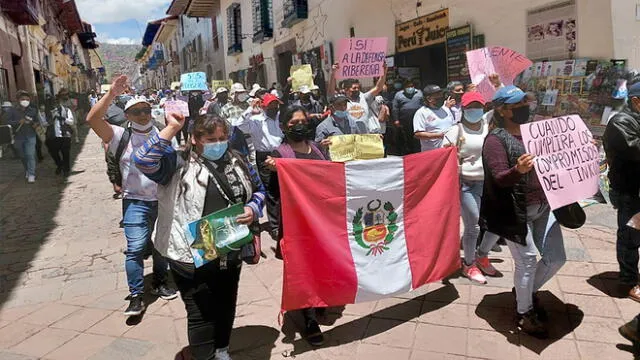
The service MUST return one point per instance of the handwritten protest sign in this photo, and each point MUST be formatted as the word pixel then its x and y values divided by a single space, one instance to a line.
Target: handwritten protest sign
pixel 302 75
pixel 567 163
pixel 361 57
pixel 356 147
pixel 495 60
pixel 176 106
pixel 216 84
pixel 193 81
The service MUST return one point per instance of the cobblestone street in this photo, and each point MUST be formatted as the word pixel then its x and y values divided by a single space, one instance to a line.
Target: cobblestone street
pixel 62 290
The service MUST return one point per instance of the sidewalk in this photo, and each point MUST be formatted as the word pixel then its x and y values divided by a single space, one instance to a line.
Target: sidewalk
pixel 62 290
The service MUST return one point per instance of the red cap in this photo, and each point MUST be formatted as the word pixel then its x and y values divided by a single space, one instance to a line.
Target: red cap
pixel 472 96
pixel 269 98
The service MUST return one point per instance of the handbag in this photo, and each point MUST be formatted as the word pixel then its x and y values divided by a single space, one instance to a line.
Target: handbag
pixel 571 216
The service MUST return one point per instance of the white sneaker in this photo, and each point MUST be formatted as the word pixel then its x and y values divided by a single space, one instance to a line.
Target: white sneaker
pixel 26 175
pixel 222 354
pixel 31 179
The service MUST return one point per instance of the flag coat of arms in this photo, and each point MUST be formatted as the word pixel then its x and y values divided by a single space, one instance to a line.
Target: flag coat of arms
pixel 365 230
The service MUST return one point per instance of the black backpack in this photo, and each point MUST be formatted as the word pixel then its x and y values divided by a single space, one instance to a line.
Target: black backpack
pixel 113 161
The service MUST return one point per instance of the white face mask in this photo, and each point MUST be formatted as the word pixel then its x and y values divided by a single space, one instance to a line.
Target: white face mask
pixel 140 127
pixel 24 103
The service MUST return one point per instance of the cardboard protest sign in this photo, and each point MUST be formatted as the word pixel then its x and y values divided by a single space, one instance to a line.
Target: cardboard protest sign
pixel 356 147
pixel 495 60
pixel 567 163
pixel 302 75
pixel 216 84
pixel 176 106
pixel 361 57
pixel 193 81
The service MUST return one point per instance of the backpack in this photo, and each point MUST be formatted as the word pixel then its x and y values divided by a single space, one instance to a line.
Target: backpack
pixel 113 161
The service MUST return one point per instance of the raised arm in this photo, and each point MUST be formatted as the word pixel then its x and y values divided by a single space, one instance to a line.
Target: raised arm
pixel 96 119
pixel 332 81
pixel 381 81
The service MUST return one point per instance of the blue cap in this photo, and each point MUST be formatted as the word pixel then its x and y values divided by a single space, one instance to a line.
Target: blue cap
pixel 634 90
pixel 510 94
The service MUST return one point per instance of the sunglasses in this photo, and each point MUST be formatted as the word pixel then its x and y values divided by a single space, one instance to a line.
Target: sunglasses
pixel 138 112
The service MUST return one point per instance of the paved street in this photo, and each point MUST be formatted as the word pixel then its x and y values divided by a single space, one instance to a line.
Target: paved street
pixel 62 290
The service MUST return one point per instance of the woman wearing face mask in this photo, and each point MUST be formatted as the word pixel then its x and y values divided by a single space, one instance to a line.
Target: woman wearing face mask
pixel 514 207
pixel 455 90
pixel 433 120
pixel 468 136
pixel 140 202
pixel 204 178
pixel 296 145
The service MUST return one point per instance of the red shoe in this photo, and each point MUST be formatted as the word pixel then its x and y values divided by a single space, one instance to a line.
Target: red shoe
pixel 485 266
pixel 473 273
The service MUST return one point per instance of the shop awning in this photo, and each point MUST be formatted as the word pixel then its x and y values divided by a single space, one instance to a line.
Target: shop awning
pixel 21 12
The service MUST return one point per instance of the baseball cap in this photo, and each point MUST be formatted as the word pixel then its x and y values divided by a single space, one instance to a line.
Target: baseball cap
pixel 304 89
pixel 269 98
pixel 254 89
pixel 338 98
pixel 510 94
pixel 634 90
pixel 135 101
pixel 315 87
pixel 431 89
pixel 472 96
pixel 221 90
pixel 237 88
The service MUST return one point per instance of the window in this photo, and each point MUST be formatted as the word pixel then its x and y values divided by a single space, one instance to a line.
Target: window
pixel 216 42
pixel 200 50
pixel 294 11
pixel 4 85
pixel 234 29
pixel 262 20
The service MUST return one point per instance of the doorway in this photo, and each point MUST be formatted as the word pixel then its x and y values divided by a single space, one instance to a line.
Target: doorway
pixel 431 60
pixel 285 61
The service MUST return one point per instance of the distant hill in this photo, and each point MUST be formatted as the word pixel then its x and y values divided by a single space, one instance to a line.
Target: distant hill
pixel 118 59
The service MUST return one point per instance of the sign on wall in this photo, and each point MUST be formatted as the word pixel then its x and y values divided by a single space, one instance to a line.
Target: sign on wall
pixel 459 41
pixel 424 31
pixel 552 32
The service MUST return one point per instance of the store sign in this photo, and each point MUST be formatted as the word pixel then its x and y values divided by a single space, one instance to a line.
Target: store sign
pixel 424 31
pixel 458 43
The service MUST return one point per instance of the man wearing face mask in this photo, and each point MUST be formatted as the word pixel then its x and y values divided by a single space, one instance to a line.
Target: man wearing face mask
pixel 195 103
pixel 232 111
pixel 405 105
pixel 65 100
pixel 140 202
pixel 266 135
pixel 432 121
pixel 23 121
pixel 338 123
pixel 455 90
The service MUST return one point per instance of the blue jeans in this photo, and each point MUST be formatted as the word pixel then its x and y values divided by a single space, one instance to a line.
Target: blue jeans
pixel 470 196
pixel 628 239
pixel 544 236
pixel 139 218
pixel 26 149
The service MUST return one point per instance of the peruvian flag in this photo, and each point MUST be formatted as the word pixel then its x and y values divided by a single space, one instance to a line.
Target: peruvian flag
pixel 366 230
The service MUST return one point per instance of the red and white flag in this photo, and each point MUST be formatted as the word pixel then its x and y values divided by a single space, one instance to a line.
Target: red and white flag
pixel 366 230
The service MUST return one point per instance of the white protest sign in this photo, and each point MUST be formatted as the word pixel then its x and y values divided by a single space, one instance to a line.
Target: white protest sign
pixel 177 107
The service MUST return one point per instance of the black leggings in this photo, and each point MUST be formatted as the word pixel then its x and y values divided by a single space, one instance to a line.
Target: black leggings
pixel 210 300
pixel 59 149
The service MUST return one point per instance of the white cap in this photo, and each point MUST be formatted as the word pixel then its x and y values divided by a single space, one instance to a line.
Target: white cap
pixel 237 88
pixel 136 101
pixel 254 89
pixel 304 89
pixel 221 90
pixel 315 87
pixel 7 104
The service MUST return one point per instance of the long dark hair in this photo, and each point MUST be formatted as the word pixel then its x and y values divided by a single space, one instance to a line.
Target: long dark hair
pixel 288 115
pixel 203 125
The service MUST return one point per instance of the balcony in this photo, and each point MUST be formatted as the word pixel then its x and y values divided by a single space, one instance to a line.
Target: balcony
pixel 294 11
pixel 21 12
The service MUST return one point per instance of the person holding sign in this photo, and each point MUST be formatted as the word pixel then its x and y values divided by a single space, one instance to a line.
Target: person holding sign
pixel 621 142
pixel 202 179
pixel 514 207
pixel 433 120
pixel 338 123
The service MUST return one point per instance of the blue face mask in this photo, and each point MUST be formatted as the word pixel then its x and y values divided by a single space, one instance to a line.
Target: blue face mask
pixel 473 116
pixel 410 90
pixel 397 86
pixel 214 151
pixel 342 114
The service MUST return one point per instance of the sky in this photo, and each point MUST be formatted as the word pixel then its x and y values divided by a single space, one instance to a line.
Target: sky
pixel 121 21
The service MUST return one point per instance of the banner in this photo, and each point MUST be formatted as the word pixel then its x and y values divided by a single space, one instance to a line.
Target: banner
pixel 216 84
pixel 177 107
pixel 193 81
pixel 369 229
pixel 302 75
pixel 356 147
pixel 495 60
pixel 567 163
pixel 361 57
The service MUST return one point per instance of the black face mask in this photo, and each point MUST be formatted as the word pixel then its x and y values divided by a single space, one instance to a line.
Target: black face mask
pixel 298 132
pixel 271 113
pixel 520 115
pixel 305 98
pixel 457 97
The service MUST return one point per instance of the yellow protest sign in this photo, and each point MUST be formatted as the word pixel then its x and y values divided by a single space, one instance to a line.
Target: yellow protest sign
pixel 356 147
pixel 302 76
pixel 215 84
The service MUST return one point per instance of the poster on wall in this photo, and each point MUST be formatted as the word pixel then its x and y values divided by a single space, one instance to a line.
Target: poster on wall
pixel 552 32
pixel 423 31
pixel 459 41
